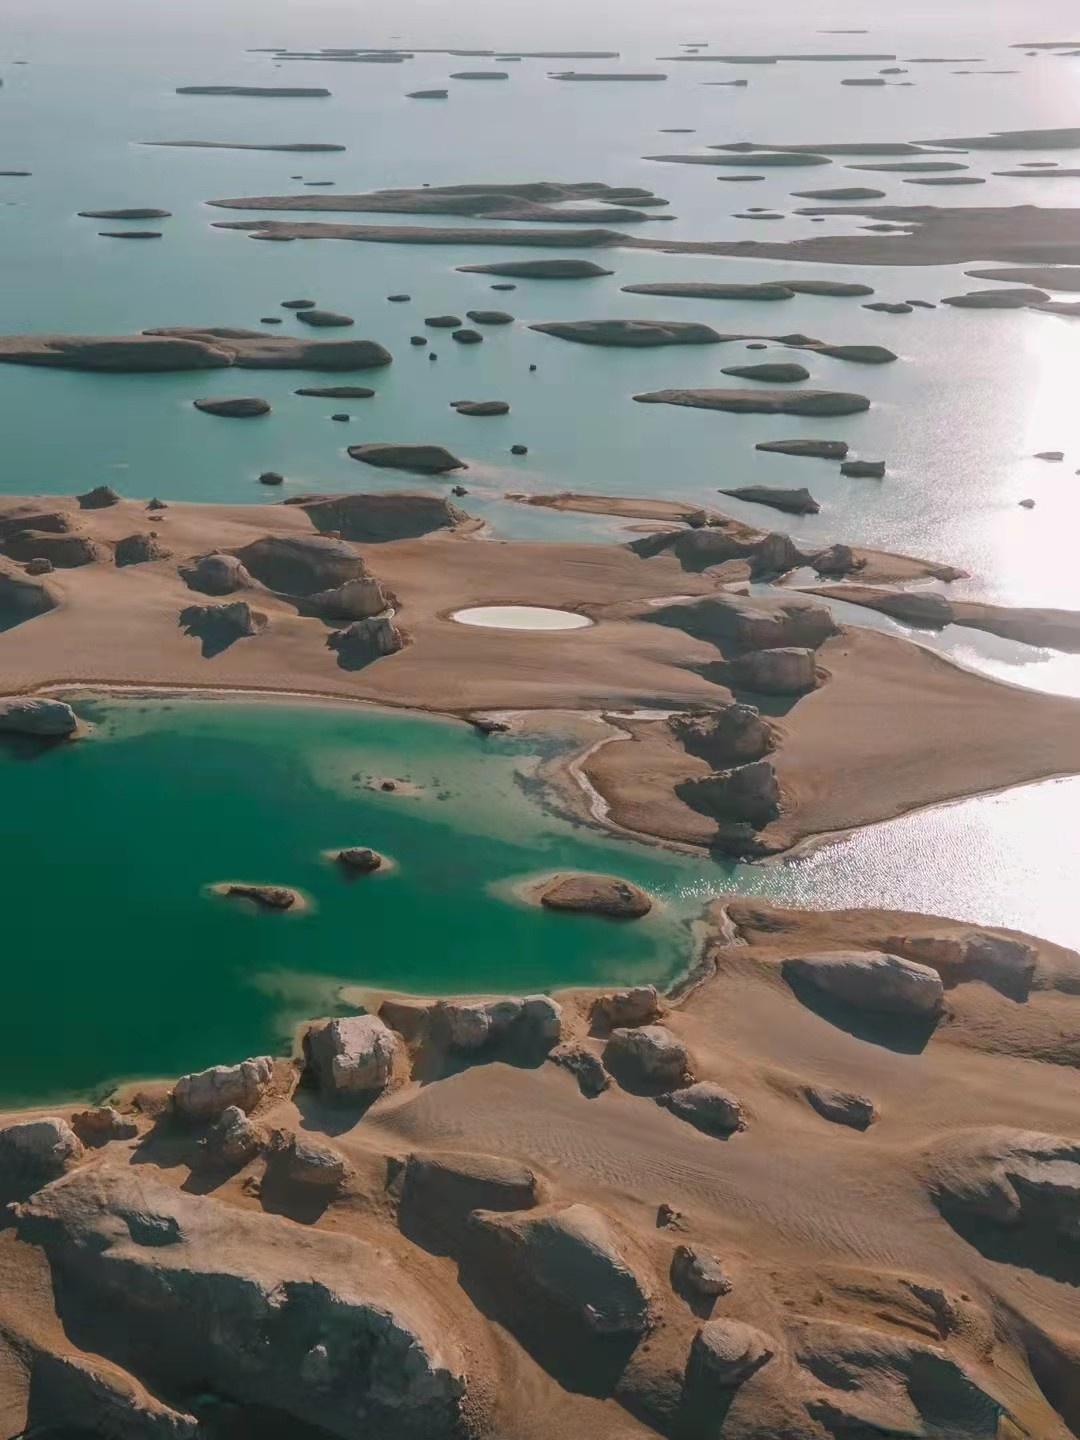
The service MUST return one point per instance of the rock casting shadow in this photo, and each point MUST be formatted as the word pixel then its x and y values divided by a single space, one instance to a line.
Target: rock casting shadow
pixel 213 635
pixel 907 1036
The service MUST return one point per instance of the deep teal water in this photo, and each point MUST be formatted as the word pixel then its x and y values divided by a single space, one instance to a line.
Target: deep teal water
pixel 117 963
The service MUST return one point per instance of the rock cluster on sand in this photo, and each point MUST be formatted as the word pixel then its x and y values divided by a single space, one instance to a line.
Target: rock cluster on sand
pixel 528 1024
pixel 422 459
pixel 595 895
pixel 352 1058
pixel 160 1258
pixel 872 980
pixel 206 1094
pixel 45 719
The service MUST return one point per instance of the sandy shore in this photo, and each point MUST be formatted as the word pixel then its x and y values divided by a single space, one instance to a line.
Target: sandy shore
pixel 890 727
pixel 828 1239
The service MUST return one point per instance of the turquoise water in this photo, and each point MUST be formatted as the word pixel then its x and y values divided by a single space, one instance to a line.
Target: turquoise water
pixel 119 964
pixel 973 396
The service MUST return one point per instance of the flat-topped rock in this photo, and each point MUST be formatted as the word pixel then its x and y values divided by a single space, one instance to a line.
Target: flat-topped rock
pixel 337 392
pixel 301 564
pixel 37 716
pixel 631 334
pixel 323 319
pixel 812 449
pixel 380 517
pixel 481 407
pixel 279 92
pixel 422 459
pixel 206 1094
pixel 863 469
pixel 489 317
pixel 1000 298
pixel 777 372
pixel 786 670
pixel 557 268
pixel 753 622
pixel 444 1188
pixel 234 407
pixel 179 348
pixel 132 213
pixel 762 402
pixel 595 895
pixel 872 980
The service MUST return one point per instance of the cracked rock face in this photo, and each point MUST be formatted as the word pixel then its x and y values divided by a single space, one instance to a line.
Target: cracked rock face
pixel 323 1328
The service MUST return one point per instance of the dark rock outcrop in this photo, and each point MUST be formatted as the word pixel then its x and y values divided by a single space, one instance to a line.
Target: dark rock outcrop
pixel 732 735
pixel 234 620
pixel 762 402
pixel 36 1151
pixel 359 860
pixel 792 502
pixel 439 1192
pixel 841 1106
pixel 633 334
pixel 467 337
pixel 814 449
pixel 863 469
pixel 756 622
pixel 65 551
pixel 233 407
pixel 337 392
pixel 556 268
pixel 421 459
pixel 324 319
pixel 272 898
pixel 100 498
pixel 489 317
pixel 696 1273
pixel 481 407
pixel 747 793
pixel 587 1068
pixel 178 348
pixel 232 1140
pixel 776 372
pixel 133 213
pixel 365 640
pixel 33 715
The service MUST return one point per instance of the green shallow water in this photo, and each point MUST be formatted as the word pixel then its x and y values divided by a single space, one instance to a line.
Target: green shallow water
pixel 117 963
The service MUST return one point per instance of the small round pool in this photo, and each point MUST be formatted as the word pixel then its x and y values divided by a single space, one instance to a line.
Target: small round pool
pixel 520 617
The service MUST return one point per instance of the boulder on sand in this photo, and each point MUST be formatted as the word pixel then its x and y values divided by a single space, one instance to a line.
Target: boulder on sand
pixel 365 640
pixel 234 620
pixel 1018 1179
pixel 140 549
pixel 571 1265
pixel 841 1106
pixel 232 1140
pixel 235 407
pixel 64 551
pixel 694 1271
pixel 595 895
pixel 872 980
pixel 33 715
pixel 587 1068
pixel 650 1055
pixel 424 459
pixel 209 1297
pixel 625 1008
pixel 206 1094
pixel 792 502
pixel 302 1161
pixel 301 564
pixel 37 1151
pixel 217 574
pixel 527 1025
pixel 101 1124
pixel 724 1353
pixel 355 600
pixel 786 670
pixel 706 1106
pixel 440 1191
pixel 353 1057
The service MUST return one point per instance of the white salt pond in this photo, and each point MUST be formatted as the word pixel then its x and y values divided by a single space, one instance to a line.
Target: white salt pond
pixel 520 617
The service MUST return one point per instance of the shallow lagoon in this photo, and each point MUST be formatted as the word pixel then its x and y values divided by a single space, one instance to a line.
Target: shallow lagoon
pixel 117 963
